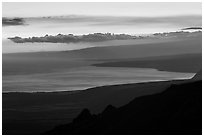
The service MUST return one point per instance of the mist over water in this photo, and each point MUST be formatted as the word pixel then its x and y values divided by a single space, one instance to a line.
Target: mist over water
pixel 78 25
pixel 11 47
pixel 19 77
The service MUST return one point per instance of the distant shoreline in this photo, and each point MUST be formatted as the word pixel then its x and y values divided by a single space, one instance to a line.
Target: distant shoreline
pixel 184 63
pixel 95 37
pixel 92 88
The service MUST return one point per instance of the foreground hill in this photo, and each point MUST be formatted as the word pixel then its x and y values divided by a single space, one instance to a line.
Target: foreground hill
pixel 177 110
pixel 26 113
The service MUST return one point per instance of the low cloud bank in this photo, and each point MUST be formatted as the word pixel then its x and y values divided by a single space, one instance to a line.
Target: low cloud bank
pixel 12 21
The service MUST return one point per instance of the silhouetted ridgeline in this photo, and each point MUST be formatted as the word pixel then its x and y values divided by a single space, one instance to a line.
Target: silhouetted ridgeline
pixel 12 21
pixel 177 110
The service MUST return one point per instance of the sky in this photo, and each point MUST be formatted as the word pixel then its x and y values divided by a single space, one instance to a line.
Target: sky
pixel 138 9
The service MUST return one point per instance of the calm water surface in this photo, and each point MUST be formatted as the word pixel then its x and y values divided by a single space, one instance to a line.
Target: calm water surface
pixel 83 78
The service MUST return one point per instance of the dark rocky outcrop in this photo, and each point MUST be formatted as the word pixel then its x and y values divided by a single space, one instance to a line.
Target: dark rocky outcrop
pixel 84 115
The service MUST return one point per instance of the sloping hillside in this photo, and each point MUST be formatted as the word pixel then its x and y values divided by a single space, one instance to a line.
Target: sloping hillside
pixel 177 110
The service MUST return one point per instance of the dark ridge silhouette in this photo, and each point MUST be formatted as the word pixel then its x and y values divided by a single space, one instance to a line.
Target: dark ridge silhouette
pixel 109 109
pixel 12 21
pixel 65 106
pixel 84 115
pixel 192 28
pixel 176 111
